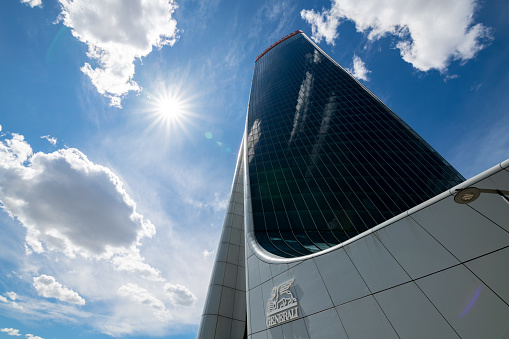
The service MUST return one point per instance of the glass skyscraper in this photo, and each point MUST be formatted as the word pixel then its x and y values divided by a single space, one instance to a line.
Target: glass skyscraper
pixel 327 159
pixel 323 161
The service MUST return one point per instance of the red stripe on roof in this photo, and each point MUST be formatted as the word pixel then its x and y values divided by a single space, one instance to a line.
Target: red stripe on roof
pixel 278 42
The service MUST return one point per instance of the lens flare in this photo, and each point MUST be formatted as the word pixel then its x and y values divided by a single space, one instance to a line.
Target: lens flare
pixel 472 301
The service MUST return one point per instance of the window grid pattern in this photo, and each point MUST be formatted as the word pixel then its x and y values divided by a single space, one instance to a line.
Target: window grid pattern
pixel 328 160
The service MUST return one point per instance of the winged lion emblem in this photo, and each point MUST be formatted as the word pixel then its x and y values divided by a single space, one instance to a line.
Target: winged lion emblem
pixel 281 297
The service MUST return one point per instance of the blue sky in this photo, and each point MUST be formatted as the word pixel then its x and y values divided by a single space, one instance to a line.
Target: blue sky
pixel 121 122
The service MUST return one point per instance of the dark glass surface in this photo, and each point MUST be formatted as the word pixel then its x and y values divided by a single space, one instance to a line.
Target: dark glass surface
pixel 328 160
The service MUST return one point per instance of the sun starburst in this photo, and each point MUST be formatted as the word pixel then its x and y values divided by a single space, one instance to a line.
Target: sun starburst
pixel 170 110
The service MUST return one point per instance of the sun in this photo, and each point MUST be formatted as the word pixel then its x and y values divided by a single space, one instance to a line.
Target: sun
pixel 169 108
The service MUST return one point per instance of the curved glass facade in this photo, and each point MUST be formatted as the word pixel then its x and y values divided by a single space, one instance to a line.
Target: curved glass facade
pixel 328 160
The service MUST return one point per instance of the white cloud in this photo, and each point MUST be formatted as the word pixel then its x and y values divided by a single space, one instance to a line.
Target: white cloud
pixel 32 3
pixel 207 254
pixel 12 303
pixel 10 331
pixel 218 204
pixel 132 261
pixel 16 306
pixel 37 187
pixel 48 287
pixel 359 69
pixel 12 295
pixel 31 336
pixel 28 251
pixel 14 150
pixel 51 140
pixel 430 32
pixel 42 309
pixel 179 295
pixel 117 32
pixel 145 299
pixel 323 26
pixel 68 203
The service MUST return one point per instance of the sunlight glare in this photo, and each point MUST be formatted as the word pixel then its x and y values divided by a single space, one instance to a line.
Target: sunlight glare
pixel 169 108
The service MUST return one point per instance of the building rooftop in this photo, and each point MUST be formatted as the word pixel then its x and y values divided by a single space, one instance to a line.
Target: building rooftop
pixel 278 42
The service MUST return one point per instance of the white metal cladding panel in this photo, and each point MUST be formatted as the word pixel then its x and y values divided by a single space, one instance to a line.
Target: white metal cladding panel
pixel 207 326
pixel 325 325
pixel 238 329
pixel 494 208
pixel 295 263
pixel 235 235
pixel 277 269
pixel 309 288
pixel 239 306
pixel 228 220
pixel 227 302
pixel 239 195
pixel 230 275
pixel 238 220
pixel 223 328
pixel 492 205
pixel 375 264
pixel 222 250
pixel 412 314
pixel 225 239
pixel 414 249
pixel 257 306
pixel 295 329
pixel 281 278
pixel 259 335
pixel 213 299
pixel 239 209
pixel 249 310
pixel 227 283
pixel 462 230
pixel 241 278
pixel 233 254
pixel 218 273
pixel 469 305
pixel 242 255
pixel 231 204
pixel 253 272
pixel 265 273
pixel 225 234
pixel 249 251
pixel 492 270
pixel 275 333
pixel 363 318
pixel 341 279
